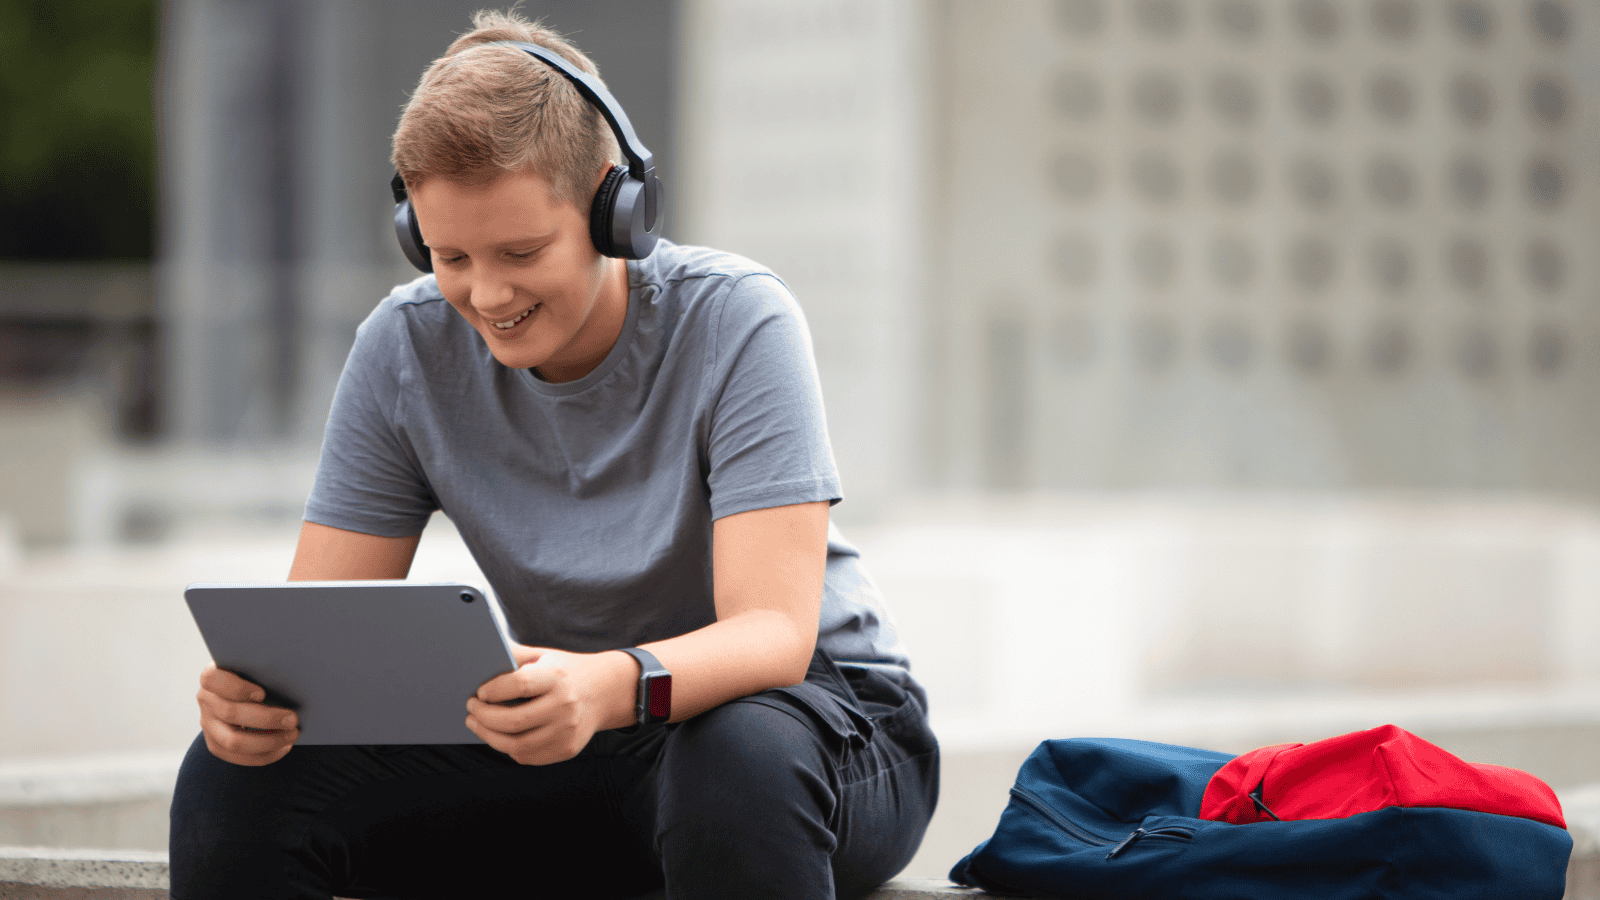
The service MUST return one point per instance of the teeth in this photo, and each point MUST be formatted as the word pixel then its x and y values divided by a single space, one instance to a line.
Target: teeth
pixel 505 325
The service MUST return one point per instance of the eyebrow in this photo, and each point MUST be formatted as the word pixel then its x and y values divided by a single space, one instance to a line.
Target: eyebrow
pixel 514 242
pixel 527 239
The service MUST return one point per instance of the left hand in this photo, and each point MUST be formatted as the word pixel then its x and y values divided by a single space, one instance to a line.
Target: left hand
pixel 573 695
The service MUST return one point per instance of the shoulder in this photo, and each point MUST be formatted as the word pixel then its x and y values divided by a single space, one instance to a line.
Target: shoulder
pixel 685 266
pixel 412 324
pixel 414 303
pixel 414 313
pixel 728 293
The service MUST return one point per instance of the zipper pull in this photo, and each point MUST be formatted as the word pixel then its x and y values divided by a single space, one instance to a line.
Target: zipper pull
pixel 1255 797
pixel 1137 833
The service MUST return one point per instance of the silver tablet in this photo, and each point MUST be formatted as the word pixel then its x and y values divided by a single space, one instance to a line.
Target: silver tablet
pixel 362 662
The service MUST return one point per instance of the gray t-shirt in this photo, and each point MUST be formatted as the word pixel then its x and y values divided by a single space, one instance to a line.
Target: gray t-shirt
pixel 588 504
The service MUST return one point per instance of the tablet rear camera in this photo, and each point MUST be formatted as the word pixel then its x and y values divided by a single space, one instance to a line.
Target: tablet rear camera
pixel 466 596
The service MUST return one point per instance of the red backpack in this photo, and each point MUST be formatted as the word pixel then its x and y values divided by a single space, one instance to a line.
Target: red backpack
pixel 1364 771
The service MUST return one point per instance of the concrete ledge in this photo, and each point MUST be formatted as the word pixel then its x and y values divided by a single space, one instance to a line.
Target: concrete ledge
pixel 37 873
pixel 923 889
pixel 1582 809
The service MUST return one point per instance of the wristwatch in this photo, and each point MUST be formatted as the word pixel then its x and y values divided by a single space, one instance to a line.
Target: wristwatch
pixel 654 703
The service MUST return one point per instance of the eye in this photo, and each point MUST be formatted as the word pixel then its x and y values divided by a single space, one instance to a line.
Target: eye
pixel 452 260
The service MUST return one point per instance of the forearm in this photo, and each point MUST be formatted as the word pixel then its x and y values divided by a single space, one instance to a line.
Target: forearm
pixel 768 567
pixel 735 657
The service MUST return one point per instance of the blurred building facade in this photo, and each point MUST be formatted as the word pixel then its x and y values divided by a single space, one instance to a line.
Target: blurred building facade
pixel 1280 244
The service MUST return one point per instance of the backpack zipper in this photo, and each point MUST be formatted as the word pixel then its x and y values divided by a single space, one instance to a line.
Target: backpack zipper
pixel 1172 832
pixel 1037 804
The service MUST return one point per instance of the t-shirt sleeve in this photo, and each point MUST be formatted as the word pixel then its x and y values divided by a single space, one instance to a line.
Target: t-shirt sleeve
pixel 368 477
pixel 768 443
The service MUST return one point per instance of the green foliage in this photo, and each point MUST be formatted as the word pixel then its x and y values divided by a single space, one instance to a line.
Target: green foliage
pixel 77 128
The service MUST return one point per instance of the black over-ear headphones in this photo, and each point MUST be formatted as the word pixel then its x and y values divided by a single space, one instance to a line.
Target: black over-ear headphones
pixel 627 208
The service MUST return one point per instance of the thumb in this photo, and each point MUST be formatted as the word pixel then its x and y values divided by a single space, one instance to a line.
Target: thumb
pixel 508 683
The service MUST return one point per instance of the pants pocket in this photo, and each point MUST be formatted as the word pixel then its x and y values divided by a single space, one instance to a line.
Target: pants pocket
pixel 826 699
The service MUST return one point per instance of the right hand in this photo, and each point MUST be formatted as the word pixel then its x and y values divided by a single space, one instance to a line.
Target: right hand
pixel 230 707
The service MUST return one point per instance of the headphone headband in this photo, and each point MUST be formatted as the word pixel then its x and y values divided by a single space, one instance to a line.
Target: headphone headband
pixel 640 160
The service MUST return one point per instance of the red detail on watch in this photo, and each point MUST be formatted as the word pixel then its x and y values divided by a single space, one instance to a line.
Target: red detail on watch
pixel 661 698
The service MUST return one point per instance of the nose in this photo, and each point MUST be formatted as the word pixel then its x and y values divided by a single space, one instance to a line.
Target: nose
pixel 491 294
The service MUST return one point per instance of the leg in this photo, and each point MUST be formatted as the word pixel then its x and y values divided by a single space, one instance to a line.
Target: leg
pixel 399 822
pixel 796 793
pixel 891 787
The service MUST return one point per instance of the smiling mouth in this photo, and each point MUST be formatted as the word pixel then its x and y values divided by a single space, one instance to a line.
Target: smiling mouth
pixel 503 326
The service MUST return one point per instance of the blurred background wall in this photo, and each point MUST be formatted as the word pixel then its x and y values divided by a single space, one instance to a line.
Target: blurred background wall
pixel 1217 371
pixel 196 222
pixel 1242 244
pixel 78 304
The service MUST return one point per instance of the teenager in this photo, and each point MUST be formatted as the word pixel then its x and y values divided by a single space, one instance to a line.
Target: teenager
pixel 635 452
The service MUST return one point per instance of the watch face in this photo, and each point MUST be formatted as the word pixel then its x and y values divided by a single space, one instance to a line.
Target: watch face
pixel 659 692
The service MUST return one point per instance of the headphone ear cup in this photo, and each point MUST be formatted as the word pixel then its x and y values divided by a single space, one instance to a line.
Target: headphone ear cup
pixel 409 234
pixel 635 218
pixel 602 212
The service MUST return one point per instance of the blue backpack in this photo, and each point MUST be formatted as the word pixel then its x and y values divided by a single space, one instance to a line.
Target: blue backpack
pixel 1094 818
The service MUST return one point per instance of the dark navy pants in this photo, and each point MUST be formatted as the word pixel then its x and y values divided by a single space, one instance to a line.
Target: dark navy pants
pixel 814 791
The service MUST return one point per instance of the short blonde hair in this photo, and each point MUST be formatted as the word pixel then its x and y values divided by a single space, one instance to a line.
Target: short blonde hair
pixel 479 111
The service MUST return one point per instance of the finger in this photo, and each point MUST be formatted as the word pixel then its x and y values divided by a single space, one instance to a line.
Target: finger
pixel 499 688
pixel 247 715
pixel 505 743
pixel 536 747
pixel 533 679
pixel 520 718
pixel 273 757
pixel 500 719
pixel 244 747
pixel 242 715
pixel 255 717
pixel 527 681
pixel 524 654
pixel 509 686
pixel 227 685
pixel 260 743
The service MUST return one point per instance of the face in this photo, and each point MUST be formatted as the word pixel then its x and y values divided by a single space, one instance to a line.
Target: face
pixel 520 268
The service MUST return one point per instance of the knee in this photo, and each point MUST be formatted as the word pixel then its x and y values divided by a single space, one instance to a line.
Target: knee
pixel 216 802
pixel 215 825
pixel 209 795
pixel 202 783
pixel 742 741
pixel 742 764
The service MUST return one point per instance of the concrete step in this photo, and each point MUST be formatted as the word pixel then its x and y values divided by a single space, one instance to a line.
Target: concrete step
pixel 32 873
pixel 40 873
pixel 114 800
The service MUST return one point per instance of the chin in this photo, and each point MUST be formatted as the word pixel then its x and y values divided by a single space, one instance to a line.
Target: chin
pixel 518 362
pixel 515 357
